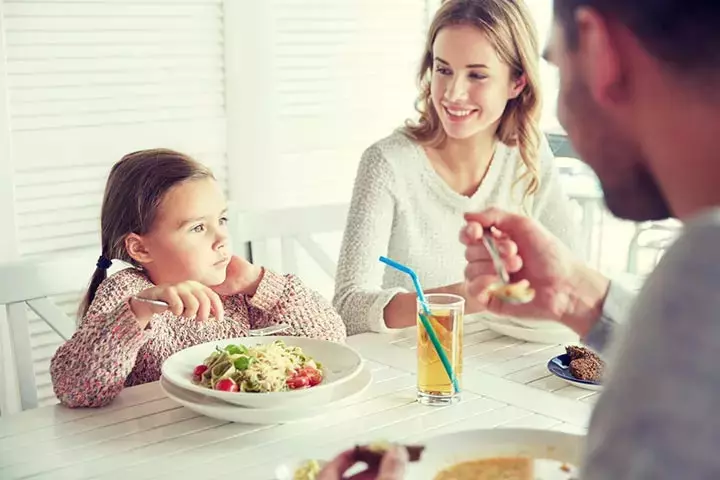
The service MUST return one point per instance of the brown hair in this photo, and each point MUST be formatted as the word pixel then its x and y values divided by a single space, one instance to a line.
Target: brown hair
pixel 510 28
pixel 135 189
pixel 683 34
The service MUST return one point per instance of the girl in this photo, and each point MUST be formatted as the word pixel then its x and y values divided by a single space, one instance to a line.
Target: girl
pixel 476 145
pixel 164 214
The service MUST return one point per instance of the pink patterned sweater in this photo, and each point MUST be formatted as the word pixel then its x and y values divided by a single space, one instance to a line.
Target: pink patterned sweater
pixel 109 351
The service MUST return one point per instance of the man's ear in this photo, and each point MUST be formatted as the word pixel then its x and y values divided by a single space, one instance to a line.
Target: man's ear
pixel 137 249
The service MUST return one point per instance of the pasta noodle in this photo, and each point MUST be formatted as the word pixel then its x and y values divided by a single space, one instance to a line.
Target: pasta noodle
pixel 273 367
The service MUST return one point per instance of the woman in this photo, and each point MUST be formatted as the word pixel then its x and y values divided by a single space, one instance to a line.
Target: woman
pixel 477 144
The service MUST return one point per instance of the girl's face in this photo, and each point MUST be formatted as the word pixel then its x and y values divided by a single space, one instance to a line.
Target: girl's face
pixel 189 239
pixel 470 85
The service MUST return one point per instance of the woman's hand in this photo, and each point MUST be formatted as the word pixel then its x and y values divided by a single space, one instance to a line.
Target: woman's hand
pixel 188 299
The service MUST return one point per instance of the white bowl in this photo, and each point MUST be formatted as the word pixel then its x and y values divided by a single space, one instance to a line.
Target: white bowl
pixel 213 408
pixel 549 449
pixel 340 364
pixel 536 324
pixel 550 336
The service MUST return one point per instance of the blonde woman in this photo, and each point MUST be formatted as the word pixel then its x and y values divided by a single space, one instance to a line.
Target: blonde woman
pixel 476 145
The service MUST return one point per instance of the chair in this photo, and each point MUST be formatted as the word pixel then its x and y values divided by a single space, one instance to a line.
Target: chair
pixel 31 284
pixel 291 227
pixel 656 236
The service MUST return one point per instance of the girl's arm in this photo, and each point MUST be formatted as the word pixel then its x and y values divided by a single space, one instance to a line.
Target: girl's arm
pixel 285 299
pixel 90 369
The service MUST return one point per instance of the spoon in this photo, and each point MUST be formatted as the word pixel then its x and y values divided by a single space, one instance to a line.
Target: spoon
pixel 255 332
pixel 504 291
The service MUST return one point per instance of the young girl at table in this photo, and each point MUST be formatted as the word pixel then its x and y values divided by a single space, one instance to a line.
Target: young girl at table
pixel 165 215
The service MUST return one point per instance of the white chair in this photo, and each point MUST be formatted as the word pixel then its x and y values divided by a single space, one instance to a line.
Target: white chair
pixel 32 283
pixel 655 236
pixel 291 227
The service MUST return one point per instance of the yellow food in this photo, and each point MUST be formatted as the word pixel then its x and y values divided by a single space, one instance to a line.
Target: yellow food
pixel 307 471
pixel 519 291
pixel 510 468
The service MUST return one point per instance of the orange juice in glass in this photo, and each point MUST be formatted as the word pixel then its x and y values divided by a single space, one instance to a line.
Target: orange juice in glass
pixel 446 317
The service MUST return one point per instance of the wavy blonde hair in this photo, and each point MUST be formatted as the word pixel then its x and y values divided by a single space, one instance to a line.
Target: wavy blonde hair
pixel 511 30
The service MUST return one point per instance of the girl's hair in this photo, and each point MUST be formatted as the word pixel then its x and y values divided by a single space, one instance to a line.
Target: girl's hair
pixel 135 188
pixel 510 29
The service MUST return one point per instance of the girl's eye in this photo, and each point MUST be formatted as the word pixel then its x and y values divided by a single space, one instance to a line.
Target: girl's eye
pixel 199 228
pixel 223 220
pixel 443 70
pixel 478 76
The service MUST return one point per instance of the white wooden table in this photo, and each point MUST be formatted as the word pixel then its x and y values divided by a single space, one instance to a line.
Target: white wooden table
pixel 143 434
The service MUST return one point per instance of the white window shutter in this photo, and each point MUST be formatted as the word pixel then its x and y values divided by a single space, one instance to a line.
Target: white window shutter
pixel 338 75
pixel 91 81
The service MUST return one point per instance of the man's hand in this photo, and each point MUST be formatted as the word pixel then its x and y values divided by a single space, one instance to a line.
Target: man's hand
pixel 566 290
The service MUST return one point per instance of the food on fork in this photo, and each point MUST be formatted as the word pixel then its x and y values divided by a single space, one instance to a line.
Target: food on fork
pixel 273 367
pixel 518 292
pixel 585 364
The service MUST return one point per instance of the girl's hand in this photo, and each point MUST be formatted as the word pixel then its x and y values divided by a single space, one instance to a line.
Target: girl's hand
pixel 242 277
pixel 188 299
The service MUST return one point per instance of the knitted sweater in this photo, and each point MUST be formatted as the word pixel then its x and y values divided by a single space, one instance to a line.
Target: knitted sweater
pixel 110 351
pixel 403 209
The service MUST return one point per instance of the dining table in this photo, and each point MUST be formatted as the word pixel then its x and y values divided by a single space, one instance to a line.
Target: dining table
pixel 143 434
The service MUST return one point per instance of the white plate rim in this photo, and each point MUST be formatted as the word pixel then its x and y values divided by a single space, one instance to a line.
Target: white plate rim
pixel 556 445
pixel 541 335
pixel 220 410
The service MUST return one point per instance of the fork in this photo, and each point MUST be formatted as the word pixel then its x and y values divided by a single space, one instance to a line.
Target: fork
pixel 489 242
pixel 255 332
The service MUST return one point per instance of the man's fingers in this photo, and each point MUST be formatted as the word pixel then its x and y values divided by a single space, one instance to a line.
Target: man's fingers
pixel 393 464
pixel 335 469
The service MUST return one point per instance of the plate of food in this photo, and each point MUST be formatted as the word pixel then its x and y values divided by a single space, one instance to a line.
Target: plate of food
pixel 264 372
pixel 499 454
pixel 496 454
pixel 579 366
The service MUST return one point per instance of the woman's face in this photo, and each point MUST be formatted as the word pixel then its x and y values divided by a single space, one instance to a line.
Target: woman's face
pixel 470 85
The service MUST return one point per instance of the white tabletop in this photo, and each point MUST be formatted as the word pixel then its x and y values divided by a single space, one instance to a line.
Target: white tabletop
pixel 143 434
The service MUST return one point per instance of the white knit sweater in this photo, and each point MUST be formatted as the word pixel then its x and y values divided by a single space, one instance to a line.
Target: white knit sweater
pixel 403 209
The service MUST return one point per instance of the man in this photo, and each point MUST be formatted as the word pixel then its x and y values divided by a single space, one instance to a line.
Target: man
pixel 639 101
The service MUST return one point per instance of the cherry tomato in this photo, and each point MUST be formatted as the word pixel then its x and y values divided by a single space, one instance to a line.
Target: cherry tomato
pixel 199 370
pixel 226 385
pixel 298 381
pixel 314 375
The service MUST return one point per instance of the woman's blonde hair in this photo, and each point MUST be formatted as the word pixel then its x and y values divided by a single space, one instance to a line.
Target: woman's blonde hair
pixel 510 29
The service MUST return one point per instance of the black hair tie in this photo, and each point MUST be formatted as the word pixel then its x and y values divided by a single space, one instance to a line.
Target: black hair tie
pixel 103 262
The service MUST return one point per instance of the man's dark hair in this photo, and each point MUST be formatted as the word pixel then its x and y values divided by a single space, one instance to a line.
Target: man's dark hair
pixel 684 34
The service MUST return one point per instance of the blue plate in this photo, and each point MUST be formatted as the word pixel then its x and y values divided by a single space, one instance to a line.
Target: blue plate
pixel 560 367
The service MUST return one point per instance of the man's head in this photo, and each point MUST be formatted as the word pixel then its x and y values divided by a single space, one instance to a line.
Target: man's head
pixel 633 75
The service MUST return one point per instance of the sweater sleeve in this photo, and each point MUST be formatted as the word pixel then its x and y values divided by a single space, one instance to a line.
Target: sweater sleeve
pixel 552 207
pixel 284 298
pixel 359 297
pixel 90 369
